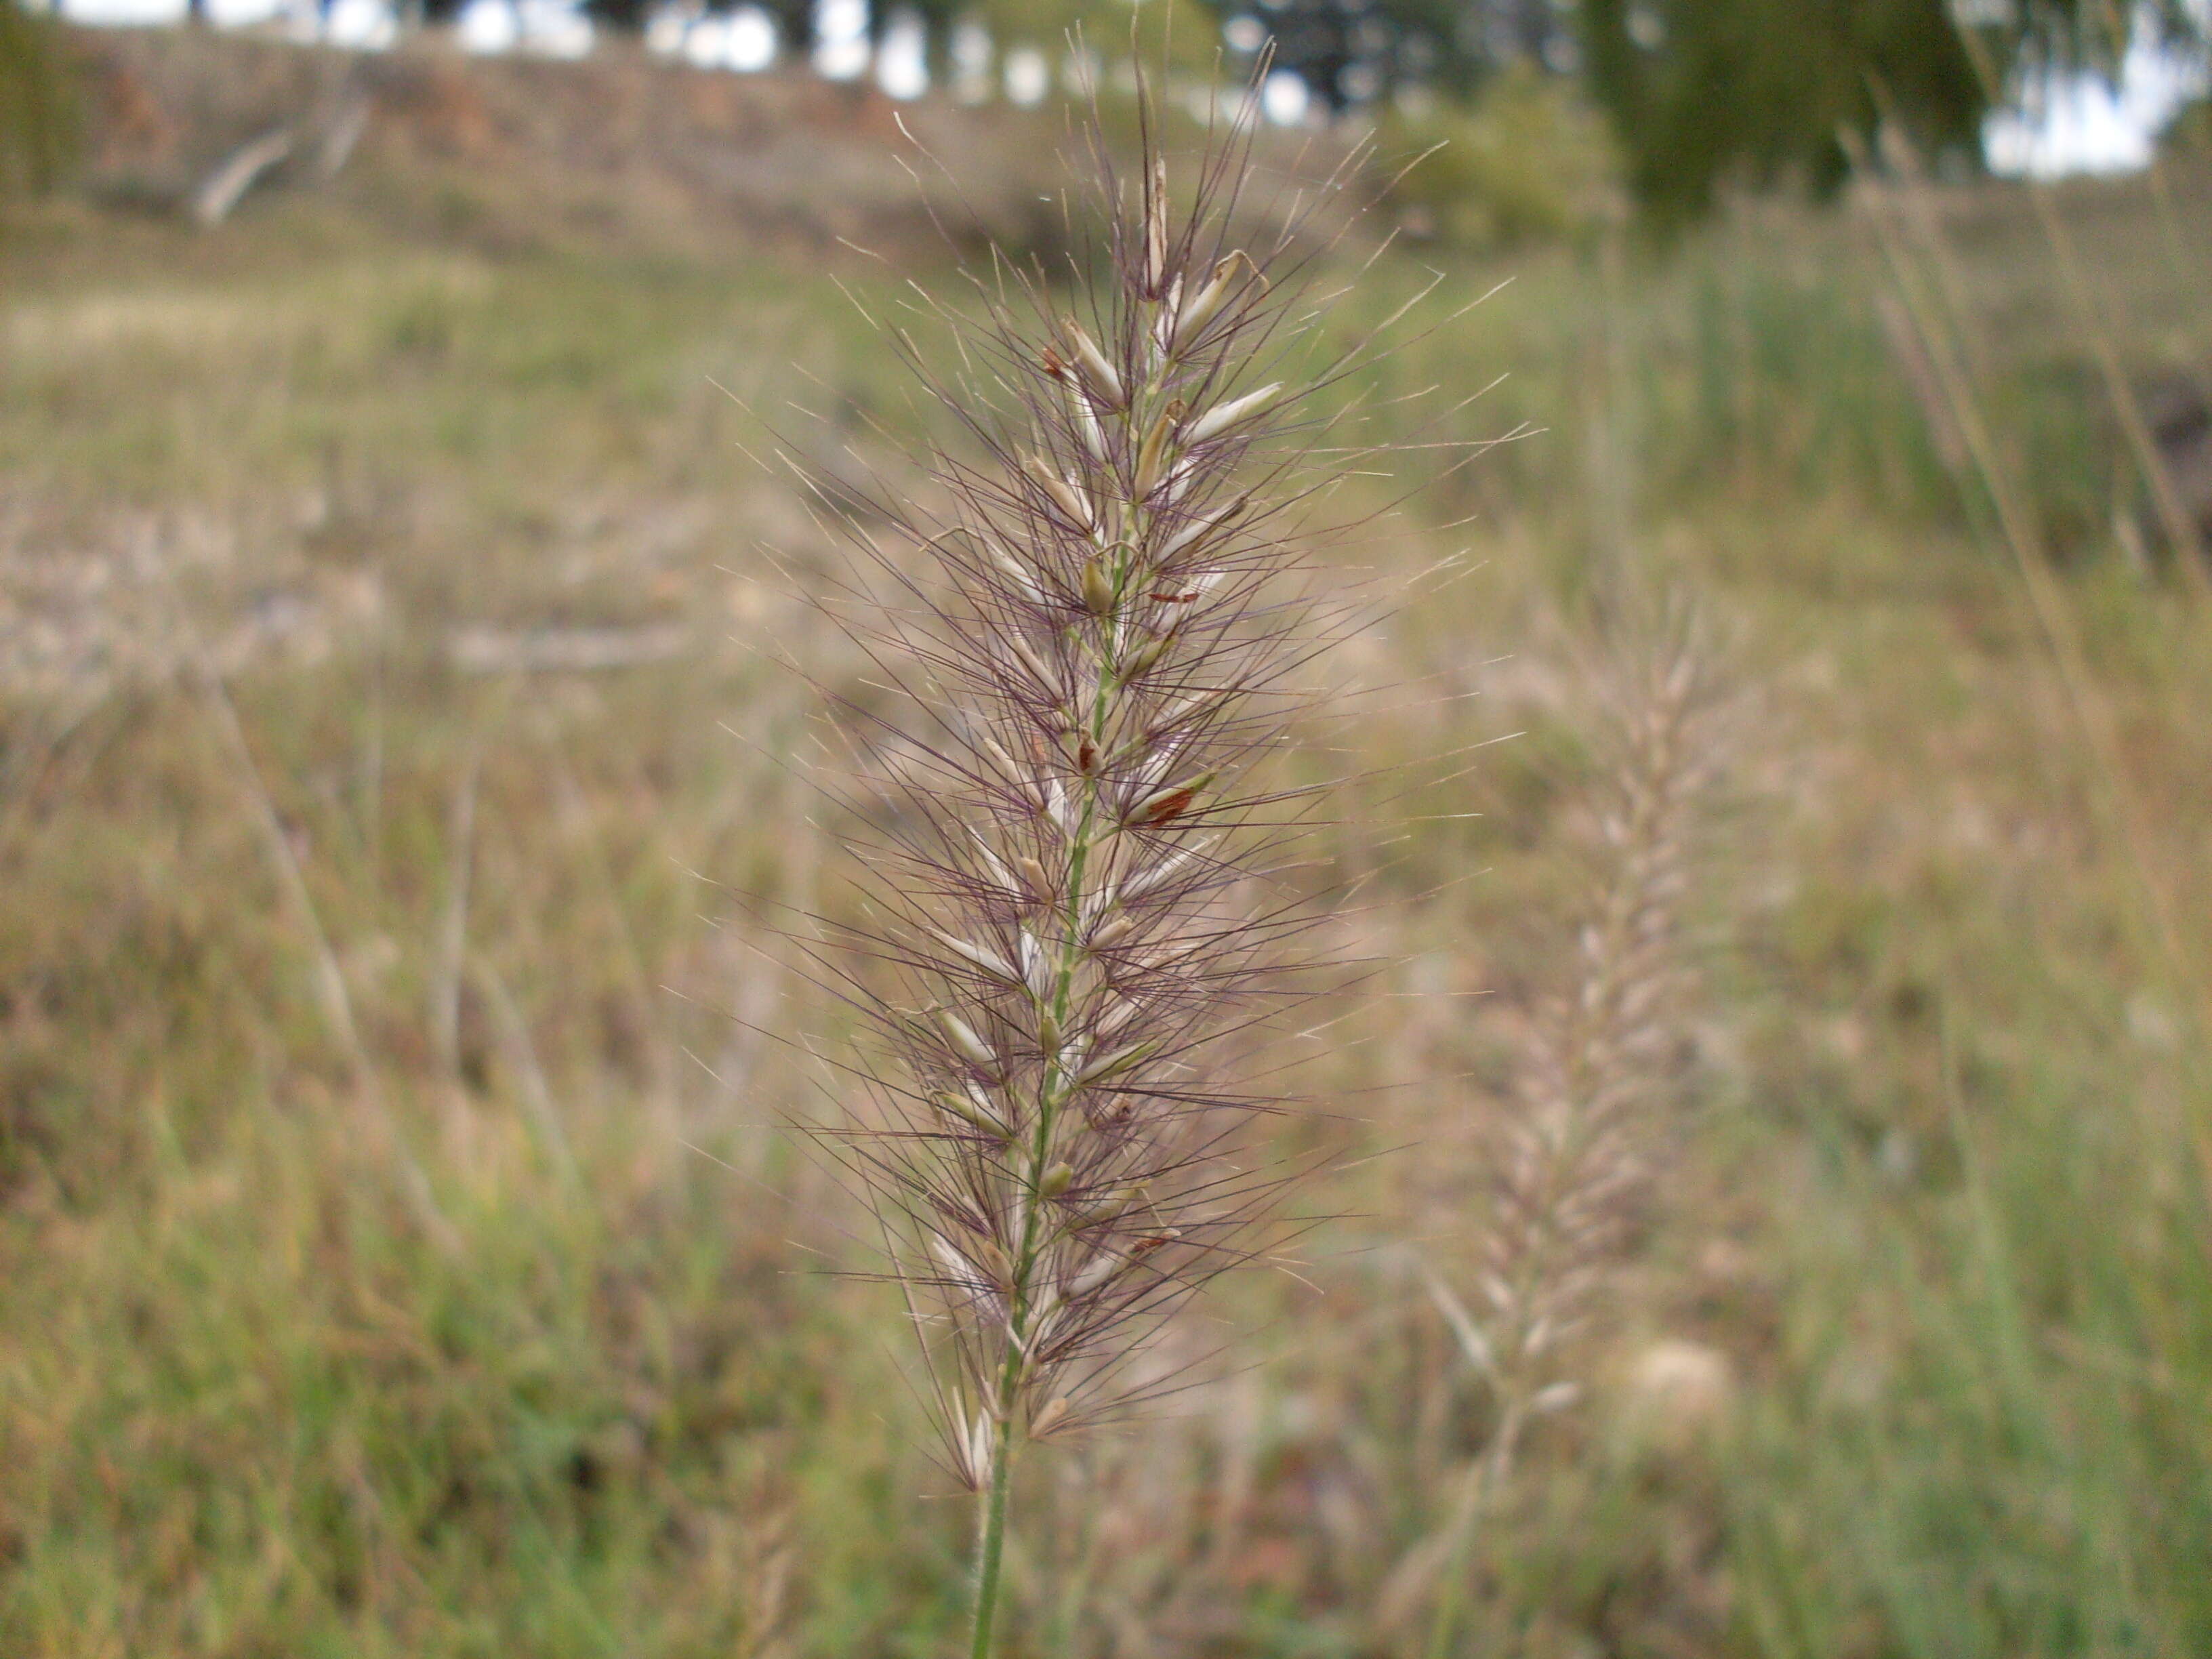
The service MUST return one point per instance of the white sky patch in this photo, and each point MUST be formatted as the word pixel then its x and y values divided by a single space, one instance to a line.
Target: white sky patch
pixel 840 39
pixel 752 43
pixel 488 25
pixel 1029 76
pixel 1283 98
pixel 902 58
pixel 545 28
pixel 743 40
pixel 707 43
pixel 243 14
pixel 123 13
pixel 972 54
pixel 555 28
pixel 363 25
pixel 666 29
pixel 2082 124
pixel 1244 33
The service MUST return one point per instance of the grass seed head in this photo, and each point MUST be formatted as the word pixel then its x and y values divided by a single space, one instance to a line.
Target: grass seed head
pixel 1109 638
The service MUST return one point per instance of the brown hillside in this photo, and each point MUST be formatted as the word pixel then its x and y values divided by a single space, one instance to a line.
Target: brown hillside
pixel 497 149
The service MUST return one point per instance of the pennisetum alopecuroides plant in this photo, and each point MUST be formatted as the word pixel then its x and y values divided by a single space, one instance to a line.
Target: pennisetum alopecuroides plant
pixel 1098 617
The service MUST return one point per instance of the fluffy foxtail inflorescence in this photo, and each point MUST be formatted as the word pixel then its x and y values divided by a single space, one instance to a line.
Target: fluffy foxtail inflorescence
pixel 1582 1147
pixel 1071 933
pixel 1575 1156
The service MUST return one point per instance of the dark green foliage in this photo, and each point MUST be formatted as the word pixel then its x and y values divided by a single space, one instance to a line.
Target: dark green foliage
pixel 38 113
pixel 625 16
pixel 795 22
pixel 1707 93
pixel 1704 92
pixel 1353 51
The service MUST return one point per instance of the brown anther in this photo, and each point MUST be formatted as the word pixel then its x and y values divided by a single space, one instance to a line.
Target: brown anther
pixel 1170 808
pixel 1163 805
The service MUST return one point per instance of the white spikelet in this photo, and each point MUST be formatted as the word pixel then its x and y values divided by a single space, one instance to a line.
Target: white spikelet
pixel 1094 1273
pixel 1204 525
pixel 1222 417
pixel 1037 966
pixel 997 868
pixel 1030 660
pixel 982 1436
pixel 1116 1018
pixel 979 956
pixel 964 1040
pixel 1097 903
pixel 1058 808
pixel 1018 574
pixel 1086 422
pixel 962 1271
pixel 1207 303
pixel 1164 324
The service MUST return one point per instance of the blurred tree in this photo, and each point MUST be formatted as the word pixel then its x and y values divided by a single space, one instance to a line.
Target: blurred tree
pixel 1702 92
pixel 1169 35
pixel 938 17
pixel 1041 23
pixel 1180 35
pixel 794 25
pixel 1531 160
pixel 38 109
pixel 1451 45
pixel 2190 132
pixel 622 16
pixel 1353 51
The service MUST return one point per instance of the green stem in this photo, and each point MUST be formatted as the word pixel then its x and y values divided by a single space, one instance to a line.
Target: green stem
pixel 1482 1479
pixel 992 1546
pixel 1051 1096
pixel 1054 1091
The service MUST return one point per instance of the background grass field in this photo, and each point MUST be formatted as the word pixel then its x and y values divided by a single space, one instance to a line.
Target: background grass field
pixel 400 1255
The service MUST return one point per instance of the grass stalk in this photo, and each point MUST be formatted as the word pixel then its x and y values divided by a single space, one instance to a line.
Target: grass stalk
pixel 1577 1158
pixel 1935 305
pixel 1061 959
pixel 990 1548
pixel 333 999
